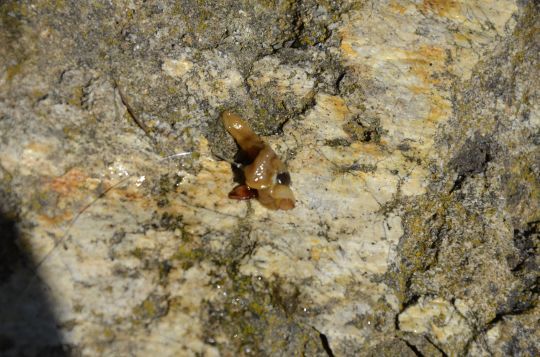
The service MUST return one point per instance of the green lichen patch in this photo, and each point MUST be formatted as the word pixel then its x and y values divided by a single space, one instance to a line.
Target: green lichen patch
pixel 259 317
pixel 469 239
pixel 337 142
pixel 188 256
pixel 364 129
pixel 153 307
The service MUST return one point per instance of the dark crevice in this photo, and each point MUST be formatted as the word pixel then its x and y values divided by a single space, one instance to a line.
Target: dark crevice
pixel 499 317
pixel 457 183
pixel 435 247
pixel 279 129
pixel 524 242
pixel 413 348
pixel 409 302
pixel 305 108
pixel 338 81
pixel 472 159
pixel 519 267
pixel 436 347
pixel 326 345
pixel 308 106
pixel 296 41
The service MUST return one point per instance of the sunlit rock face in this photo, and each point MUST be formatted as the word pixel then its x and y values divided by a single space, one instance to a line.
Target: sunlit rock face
pixel 410 131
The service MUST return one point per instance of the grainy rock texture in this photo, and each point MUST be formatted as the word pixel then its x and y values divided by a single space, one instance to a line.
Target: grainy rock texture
pixel 411 130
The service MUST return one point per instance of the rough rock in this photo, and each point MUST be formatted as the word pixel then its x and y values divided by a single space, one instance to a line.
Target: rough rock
pixel 411 131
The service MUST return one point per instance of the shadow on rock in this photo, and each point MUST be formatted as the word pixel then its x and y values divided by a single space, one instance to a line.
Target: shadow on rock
pixel 27 323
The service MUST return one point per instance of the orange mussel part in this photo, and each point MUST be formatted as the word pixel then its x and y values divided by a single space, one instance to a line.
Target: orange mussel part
pixel 242 192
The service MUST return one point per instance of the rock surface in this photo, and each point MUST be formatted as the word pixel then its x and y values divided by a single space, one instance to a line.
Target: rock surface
pixel 411 131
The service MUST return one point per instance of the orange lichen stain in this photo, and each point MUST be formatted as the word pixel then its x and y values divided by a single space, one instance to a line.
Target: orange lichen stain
pixel 347 39
pixel 439 109
pixel 419 89
pixel 461 37
pixel 129 194
pixel 425 61
pixel 432 53
pixel 370 149
pixel 75 196
pixel 65 216
pixel 70 182
pixel 336 105
pixel 347 48
pixel 395 7
pixel 423 73
pixel 446 8
pixel 214 177
pixel 315 253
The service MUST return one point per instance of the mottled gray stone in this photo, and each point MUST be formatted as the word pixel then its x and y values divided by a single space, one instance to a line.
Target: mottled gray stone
pixel 410 130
